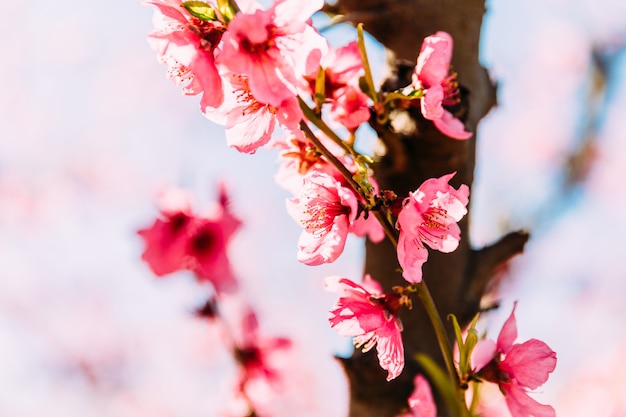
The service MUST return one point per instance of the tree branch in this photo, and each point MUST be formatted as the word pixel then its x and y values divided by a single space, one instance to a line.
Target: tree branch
pixel 456 280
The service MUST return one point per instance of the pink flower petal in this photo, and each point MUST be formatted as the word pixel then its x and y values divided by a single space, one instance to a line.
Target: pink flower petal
pixel 421 400
pixel 431 103
pixel 411 256
pixel 434 59
pixel 451 126
pixel 529 363
pixel 521 405
pixel 317 250
pixel 483 353
pixel 508 334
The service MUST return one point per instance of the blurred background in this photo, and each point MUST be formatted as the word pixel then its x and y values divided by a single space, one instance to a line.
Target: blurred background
pixel 91 130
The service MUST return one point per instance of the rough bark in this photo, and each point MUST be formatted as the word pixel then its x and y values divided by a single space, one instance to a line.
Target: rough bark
pixel 457 280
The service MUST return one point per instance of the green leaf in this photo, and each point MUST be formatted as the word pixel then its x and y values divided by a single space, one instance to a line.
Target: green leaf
pixel 228 9
pixel 200 9
pixel 457 329
pixel 440 381
pixel 369 79
pixel 320 87
pixel 397 95
pixel 364 86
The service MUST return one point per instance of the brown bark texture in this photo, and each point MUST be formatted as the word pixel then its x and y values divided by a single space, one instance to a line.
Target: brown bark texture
pixel 457 281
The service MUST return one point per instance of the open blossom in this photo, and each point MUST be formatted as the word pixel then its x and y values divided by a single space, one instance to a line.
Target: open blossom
pixel 429 216
pixel 328 211
pixel 365 312
pixel 432 75
pixel 515 367
pixel 250 123
pixel 181 240
pixel 342 69
pixel 187 45
pixel 350 108
pixel 273 48
pixel 298 156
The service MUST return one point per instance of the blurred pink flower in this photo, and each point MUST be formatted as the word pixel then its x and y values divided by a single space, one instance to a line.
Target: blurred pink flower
pixel 254 352
pixel 365 312
pixel 274 48
pixel 440 88
pixel 429 216
pixel 187 46
pixel 181 240
pixel 421 403
pixel 515 368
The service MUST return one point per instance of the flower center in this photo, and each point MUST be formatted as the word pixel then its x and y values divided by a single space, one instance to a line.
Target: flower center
pixel 492 372
pixel 322 213
pixel 434 225
pixel 245 97
pixel 305 155
pixel 451 93
pixel 210 33
pixel 205 242
pixel 256 48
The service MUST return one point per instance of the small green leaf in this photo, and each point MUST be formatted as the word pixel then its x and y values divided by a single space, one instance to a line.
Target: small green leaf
pixel 457 330
pixel 200 9
pixel 320 87
pixel 364 86
pixel 228 9
pixel 369 79
pixel 365 160
pixel 440 381
pixel 398 95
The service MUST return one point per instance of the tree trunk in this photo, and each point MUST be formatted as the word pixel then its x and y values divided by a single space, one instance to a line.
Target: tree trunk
pixel 457 280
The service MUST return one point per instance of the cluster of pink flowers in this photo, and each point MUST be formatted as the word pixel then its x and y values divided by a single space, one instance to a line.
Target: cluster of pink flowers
pixel 429 215
pixel 252 66
pixel 182 240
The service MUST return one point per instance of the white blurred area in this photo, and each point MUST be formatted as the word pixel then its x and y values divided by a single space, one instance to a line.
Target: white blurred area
pixel 91 130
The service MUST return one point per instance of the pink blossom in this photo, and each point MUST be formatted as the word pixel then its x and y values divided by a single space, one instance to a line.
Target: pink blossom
pixel 429 216
pixel 187 45
pixel 350 107
pixel 273 48
pixel 365 312
pixel 515 367
pixel 181 240
pixel 254 352
pixel 432 76
pixel 342 69
pixel 250 123
pixel 421 403
pixel 298 156
pixel 326 209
